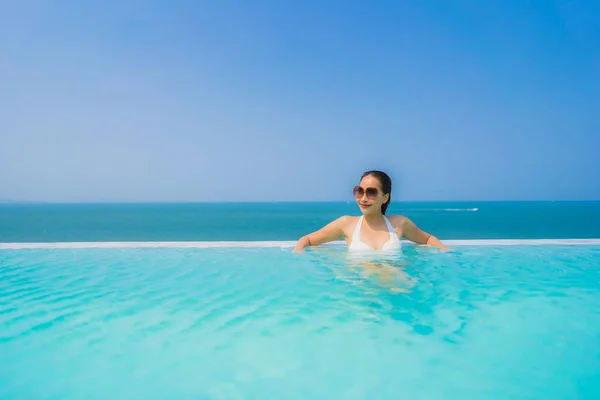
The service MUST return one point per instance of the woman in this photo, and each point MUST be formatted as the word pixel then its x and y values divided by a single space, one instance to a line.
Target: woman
pixel 373 231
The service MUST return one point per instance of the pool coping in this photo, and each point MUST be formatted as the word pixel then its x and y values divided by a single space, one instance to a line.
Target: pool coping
pixel 274 243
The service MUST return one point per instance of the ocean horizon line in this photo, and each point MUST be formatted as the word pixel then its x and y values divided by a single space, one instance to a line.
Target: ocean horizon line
pixel 174 202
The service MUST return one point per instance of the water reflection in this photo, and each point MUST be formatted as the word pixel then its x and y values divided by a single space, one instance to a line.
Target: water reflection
pixel 391 272
pixel 412 288
pixel 389 275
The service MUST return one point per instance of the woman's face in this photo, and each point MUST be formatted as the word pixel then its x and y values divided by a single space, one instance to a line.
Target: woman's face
pixel 369 195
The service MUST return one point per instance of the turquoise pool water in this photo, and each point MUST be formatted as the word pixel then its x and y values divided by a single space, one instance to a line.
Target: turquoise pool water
pixel 482 322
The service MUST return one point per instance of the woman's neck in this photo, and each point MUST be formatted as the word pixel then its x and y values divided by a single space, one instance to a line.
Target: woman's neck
pixel 374 218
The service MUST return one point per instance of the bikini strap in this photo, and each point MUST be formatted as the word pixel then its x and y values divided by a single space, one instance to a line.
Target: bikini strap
pixel 389 225
pixel 357 229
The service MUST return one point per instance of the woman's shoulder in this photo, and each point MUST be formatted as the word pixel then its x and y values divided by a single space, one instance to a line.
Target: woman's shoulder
pixel 347 222
pixel 397 220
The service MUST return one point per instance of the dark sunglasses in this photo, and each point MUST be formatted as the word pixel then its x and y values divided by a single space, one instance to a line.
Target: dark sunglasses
pixel 371 192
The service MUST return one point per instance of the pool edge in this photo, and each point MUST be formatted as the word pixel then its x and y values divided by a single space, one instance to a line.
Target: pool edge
pixel 212 244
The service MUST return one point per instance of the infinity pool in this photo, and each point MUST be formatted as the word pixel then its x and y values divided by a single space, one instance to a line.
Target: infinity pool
pixel 481 322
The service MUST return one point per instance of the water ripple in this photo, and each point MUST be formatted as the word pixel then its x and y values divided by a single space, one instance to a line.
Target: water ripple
pixel 260 323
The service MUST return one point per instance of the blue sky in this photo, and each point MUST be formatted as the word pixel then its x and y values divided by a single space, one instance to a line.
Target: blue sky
pixel 273 100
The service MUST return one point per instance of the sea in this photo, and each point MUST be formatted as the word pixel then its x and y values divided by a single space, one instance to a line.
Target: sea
pixel 27 222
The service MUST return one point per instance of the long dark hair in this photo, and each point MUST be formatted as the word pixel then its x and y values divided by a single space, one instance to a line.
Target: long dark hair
pixel 386 185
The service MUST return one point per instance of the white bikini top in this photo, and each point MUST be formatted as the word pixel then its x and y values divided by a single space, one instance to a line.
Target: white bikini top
pixel 356 244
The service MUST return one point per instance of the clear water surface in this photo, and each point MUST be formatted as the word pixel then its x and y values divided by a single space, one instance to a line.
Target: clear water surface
pixel 482 322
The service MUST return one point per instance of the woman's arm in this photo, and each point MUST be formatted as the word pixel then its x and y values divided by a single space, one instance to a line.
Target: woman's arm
pixel 330 232
pixel 414 234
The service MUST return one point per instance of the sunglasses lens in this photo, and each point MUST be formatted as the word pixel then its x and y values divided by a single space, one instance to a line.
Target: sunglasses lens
pixel 359 192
